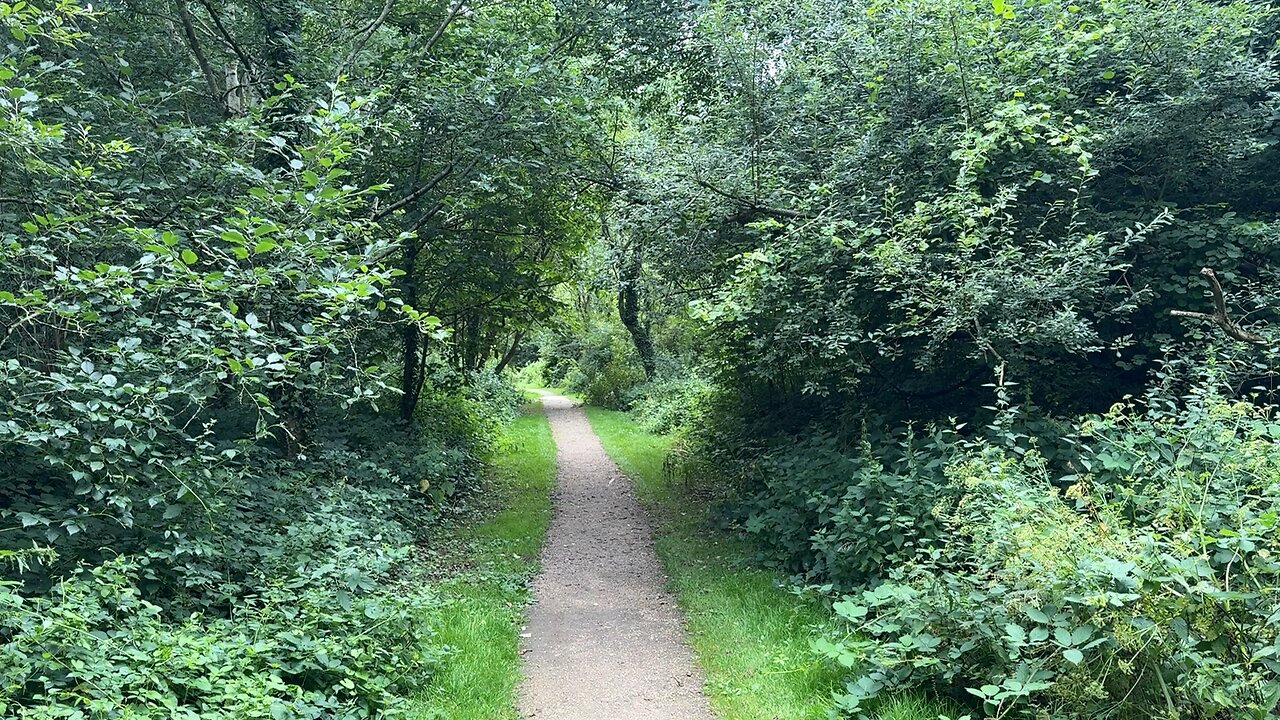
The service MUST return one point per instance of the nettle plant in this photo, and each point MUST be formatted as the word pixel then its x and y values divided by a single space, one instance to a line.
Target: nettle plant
pixel 1145 589
pixel 96 647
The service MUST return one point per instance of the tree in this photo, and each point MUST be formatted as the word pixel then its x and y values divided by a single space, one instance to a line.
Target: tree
pixel 916 198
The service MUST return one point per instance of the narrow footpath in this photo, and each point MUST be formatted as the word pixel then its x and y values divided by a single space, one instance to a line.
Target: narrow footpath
pixel 605 640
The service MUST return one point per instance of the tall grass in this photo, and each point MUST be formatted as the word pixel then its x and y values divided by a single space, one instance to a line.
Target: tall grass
pixel 485 566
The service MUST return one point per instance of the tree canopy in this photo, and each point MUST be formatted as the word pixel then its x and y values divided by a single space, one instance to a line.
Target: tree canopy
pixel 917 281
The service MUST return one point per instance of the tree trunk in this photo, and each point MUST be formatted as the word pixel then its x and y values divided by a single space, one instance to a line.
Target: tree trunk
pixel 629 311
pixel 289 431
pixel 510 354
pixel 282 26
pixel 410 373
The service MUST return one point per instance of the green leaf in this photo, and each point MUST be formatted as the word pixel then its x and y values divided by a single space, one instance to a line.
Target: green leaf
pixel 189 256
pixel 850 610
pixel 1073 656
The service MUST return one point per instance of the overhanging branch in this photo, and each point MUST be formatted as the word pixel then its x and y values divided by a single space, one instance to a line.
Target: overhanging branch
pixel 419 192
pixel 749 204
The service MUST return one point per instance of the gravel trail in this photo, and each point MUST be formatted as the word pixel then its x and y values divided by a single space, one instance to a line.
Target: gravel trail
pixel 605 640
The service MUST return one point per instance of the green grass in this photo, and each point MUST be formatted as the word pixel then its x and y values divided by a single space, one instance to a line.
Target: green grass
pixel 751 636
pixel 483 572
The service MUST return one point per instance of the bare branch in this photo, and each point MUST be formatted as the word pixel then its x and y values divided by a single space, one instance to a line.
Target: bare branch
pixel 249 66
pixel 365 34
pixel 444 25
pixel 419 192
pixel 193 43
pixel 1219 315
pixel 749 204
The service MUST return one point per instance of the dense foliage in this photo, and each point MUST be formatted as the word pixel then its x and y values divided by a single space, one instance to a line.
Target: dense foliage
pixel 971 306
pixel 260 264
pixel 975 305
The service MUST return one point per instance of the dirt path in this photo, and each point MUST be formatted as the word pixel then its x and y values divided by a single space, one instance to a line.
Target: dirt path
pixel 605 639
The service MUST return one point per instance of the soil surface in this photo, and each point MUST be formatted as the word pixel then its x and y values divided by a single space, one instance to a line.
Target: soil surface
pixel 605 640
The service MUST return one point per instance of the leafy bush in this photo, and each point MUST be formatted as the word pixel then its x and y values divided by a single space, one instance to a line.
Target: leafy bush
pixel 500 398
pixel 535 374
pixel 96 647
pixel 607 372
pixel 830 516
pixel 285 595
pixel 1147 589
pixel 459 415
pixel 669 404
pixel 420 463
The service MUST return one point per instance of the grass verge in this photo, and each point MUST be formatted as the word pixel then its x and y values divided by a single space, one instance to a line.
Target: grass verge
pixel 482 569
pixel 751 636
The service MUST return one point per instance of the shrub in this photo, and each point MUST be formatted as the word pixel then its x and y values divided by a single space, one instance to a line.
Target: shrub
pixel 535 374
pixel 95 647
pixel 1146 589
pixel 669 404
pixel 414 462
pixel 597 361
pixel 499 398
pixel 832 516
pixel 607 373
pixel 284 595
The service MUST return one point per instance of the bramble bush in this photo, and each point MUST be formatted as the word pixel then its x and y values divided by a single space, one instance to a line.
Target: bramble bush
pixel 96 647
pixel 1146 588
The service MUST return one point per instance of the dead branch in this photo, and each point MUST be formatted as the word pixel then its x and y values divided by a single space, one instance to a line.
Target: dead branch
pixel 1219 315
